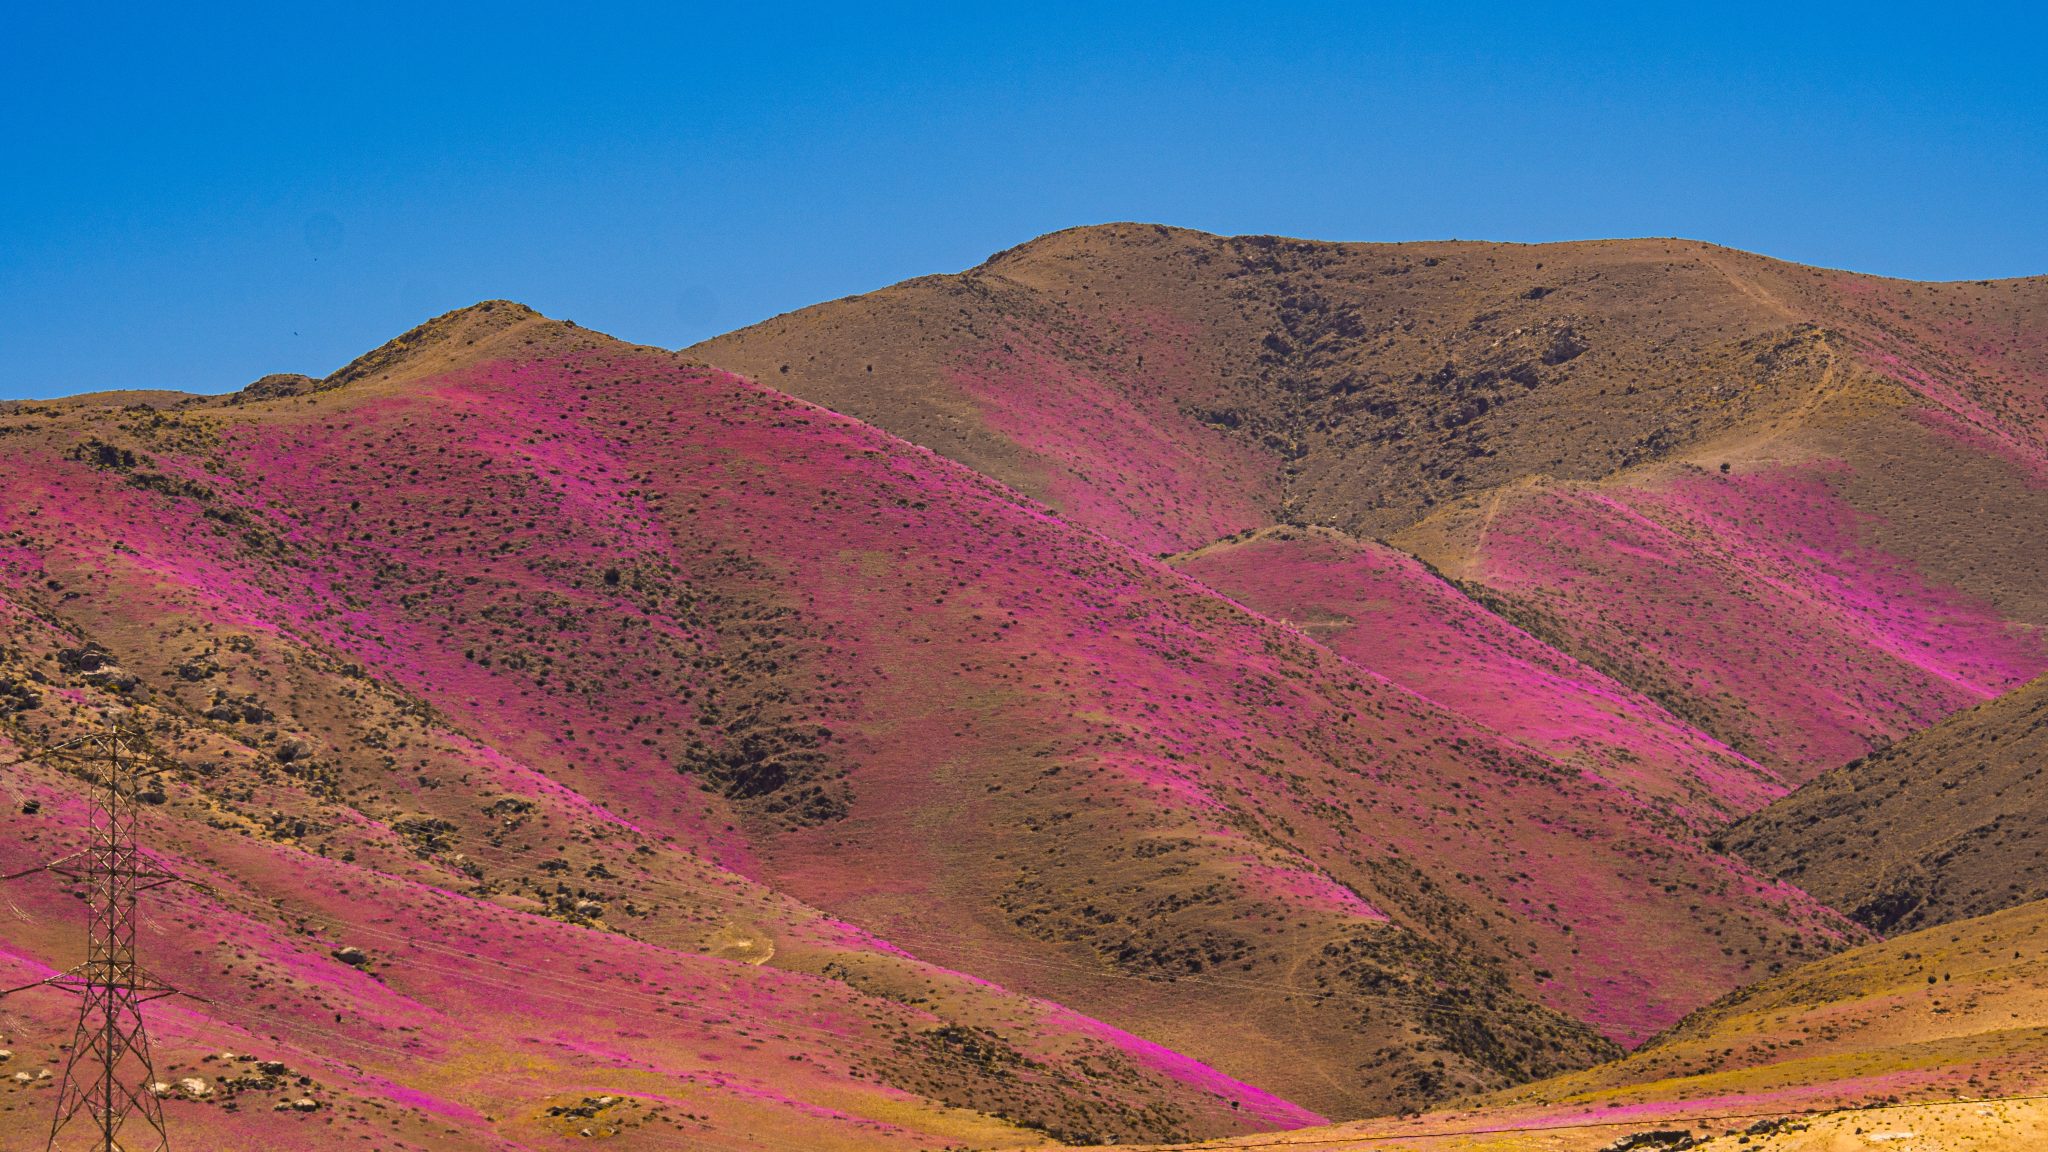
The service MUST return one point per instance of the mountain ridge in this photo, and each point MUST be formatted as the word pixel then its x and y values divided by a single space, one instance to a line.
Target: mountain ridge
pixel 294 509
pixel 538 640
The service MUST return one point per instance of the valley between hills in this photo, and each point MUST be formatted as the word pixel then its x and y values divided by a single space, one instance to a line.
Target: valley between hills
pixel 1148 688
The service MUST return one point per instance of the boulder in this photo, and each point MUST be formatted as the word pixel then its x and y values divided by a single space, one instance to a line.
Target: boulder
pixel 90 657
pixel 1661 1139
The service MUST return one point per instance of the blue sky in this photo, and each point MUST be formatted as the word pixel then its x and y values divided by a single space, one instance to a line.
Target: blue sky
pixel 190 199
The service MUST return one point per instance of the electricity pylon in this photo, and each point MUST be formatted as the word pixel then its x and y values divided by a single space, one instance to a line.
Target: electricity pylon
pixel 108 1075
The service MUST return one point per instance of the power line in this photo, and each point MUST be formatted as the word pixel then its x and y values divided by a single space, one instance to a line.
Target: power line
pixel 468 974
pixel 108 1073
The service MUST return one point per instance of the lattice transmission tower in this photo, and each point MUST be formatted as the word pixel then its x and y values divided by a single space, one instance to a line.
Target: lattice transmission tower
pixel 108 1075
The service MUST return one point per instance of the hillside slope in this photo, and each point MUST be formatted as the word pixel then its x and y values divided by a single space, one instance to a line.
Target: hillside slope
pixel 1382 609
pixel 1799 461
pixel 526 948
pixel 516 642
pixel 1945 824
pixel 1917 1037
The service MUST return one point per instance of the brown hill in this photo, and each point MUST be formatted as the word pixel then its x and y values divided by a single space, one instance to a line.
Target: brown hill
pixel 1948 823
pixel 1109 369
pixel 1803 458
pixel 1923 1041
pixel 1361 385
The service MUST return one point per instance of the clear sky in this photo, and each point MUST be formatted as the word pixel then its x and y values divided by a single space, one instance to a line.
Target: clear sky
pixel 190 199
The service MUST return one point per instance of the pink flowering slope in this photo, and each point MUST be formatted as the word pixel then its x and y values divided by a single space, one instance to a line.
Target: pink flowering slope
pixel 1752 602
pixel 492 1006
pixel 1117 447
pixel 927 816
pixel 1382 609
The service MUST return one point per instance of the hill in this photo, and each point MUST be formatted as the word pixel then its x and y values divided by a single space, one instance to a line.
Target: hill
pixel 1925 1038
pixel 1683 466
pixel 1945 824
pixel 1185 744
pixel 924 815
